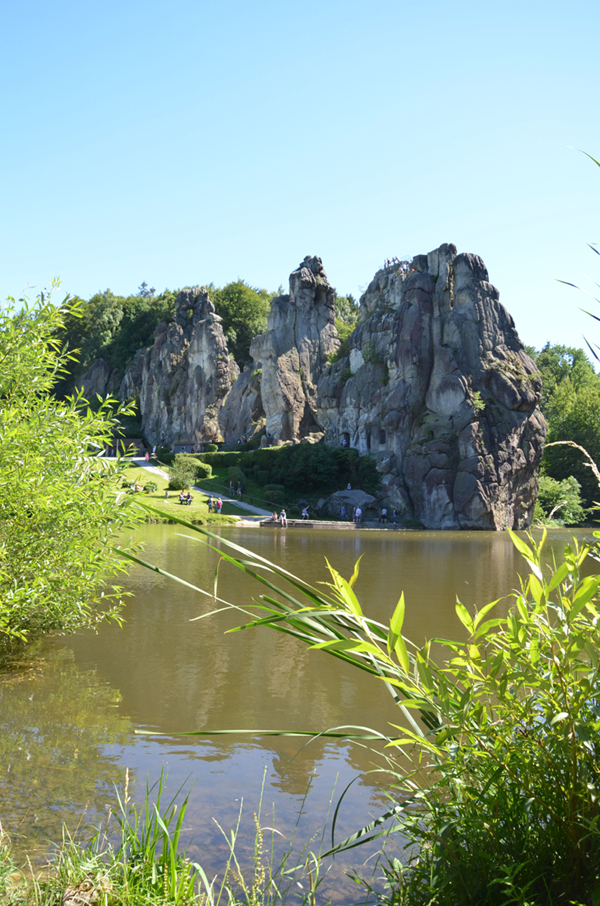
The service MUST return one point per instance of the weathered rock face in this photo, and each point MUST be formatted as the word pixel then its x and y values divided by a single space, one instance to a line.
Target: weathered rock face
pixel 437 386
pixel 183 379
pixel 242 415
pixel 99 379
pixel 301 333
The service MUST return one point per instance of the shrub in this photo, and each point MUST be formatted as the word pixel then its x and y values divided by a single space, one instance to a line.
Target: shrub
pixel 203 471
pixel 183 472
pixel 559 501
pixel 150 487
pixel 495 762
pixel 163 454
pixel 273 487
pixel 276 497
pixel 211 448
pixel 235 474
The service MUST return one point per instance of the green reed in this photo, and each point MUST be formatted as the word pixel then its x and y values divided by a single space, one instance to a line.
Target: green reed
pixel 501 728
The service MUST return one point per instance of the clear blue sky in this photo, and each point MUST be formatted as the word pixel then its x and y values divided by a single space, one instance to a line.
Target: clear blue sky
pixel 189 142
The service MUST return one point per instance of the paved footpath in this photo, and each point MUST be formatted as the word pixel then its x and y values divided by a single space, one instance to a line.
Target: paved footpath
pixel 255 511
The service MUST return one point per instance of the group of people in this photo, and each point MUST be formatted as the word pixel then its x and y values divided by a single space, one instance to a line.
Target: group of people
pixel 215 506
pixel 404 265
pixel 232 490
pixel 185 499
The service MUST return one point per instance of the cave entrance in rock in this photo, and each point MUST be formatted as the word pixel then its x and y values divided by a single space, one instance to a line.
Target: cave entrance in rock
pixel 345 439
pixel 381 437
pixel 368 438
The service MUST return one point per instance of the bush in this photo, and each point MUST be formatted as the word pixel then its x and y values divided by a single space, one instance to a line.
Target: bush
pixel 183 472
pixel 235 474
pixel 203 471
pixel 273 487
pixel 559 501
pixel 275 497
pixel 211 448
pixel 495 762
pixel 163 454
pixel 150 487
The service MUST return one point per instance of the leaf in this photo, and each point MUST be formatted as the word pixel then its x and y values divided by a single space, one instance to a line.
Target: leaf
pixel 559 576
pixel 402 654
pixel 481 613
pixel 586 590
pixel 396 624
pixel 520 545
pixel 354 575
pixel 562 715
pixel 463 616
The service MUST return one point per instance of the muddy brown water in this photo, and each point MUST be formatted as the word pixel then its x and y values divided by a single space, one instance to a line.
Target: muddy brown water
pixel 69 720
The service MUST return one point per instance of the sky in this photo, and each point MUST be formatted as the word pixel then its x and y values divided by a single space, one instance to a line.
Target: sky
pixel 195 142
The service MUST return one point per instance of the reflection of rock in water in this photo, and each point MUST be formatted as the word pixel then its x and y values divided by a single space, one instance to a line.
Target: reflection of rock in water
pixel 56 722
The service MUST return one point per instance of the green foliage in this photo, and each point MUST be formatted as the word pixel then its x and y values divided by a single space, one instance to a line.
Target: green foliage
pixel 203 470
pixel 244 310
pixel 478 402
pixel 235 474
pixel 347 312
pixel 182 473
pixel 559 502
pixel 211 448
pixel 60 502
pixel 495 761
pixel 303 468
pixel 150 487
pixel 571 404
pixel 370 354
pixel 112 327
pixel 343 349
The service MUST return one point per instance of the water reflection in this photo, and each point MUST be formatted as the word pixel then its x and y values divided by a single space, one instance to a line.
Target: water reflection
pixel 68 728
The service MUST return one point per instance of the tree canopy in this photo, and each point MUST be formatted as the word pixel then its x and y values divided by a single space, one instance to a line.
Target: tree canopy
pixel 571 405
pixel 60 504
pixel 244 310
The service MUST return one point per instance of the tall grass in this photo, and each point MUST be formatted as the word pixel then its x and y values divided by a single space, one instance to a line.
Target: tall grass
pixel 499 803
pixel 137 859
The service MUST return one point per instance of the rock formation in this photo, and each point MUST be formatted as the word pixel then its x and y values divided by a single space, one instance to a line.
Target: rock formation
pixel 293 353
pixel 184 377
pixel 437 386
pixel 100 379
pixel 434 384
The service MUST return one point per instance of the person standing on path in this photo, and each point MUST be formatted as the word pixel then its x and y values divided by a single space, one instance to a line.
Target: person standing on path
pixel 231 489
pixel 358 514
pixel 342 513
pixel 147 456
pixel 210 503
pixel 219 506
pixel 239 490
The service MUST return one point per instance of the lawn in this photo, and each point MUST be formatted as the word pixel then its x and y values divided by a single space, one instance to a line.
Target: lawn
pixel 197 511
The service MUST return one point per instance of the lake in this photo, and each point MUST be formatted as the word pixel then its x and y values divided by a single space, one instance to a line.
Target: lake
pixel 70 716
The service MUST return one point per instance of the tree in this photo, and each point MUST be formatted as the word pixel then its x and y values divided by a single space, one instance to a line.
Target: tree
pixel 60 508
pixel 244 310
pixel 559 502
pixel 571 404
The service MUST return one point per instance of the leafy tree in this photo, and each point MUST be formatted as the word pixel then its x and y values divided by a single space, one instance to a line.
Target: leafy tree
pixel 347 312
pixel 571 404
pixel 60 506
pixel 112 327
pixel 244 310
pixel 559 501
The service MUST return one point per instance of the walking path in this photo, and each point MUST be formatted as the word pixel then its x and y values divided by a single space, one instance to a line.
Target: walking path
pixel 256 511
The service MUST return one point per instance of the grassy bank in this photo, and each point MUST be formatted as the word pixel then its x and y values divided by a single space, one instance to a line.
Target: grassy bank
pixel 197 512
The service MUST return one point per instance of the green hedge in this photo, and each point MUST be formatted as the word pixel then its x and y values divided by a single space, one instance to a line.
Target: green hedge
pixel 303 468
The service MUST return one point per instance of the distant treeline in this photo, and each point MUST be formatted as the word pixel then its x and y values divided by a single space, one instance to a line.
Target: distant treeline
pixel 115 327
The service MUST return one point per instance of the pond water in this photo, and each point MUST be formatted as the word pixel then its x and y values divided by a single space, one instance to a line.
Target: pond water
pixel 69 718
